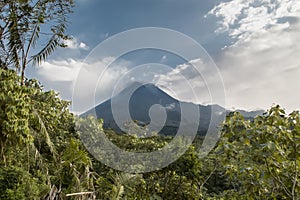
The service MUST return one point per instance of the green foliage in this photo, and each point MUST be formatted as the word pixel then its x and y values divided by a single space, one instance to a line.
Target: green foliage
pixel 261 157
pixel 255 159
pixel 17 183
pixel 42 155
pixel 23 23
pixel 38 141
pixel 14 113
pixel 184 179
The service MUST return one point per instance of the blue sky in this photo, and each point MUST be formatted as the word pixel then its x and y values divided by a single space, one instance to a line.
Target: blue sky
pixel 255 45
pixel 94 20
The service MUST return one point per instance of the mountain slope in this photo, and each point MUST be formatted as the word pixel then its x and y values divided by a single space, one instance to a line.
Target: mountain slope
pixel 149 105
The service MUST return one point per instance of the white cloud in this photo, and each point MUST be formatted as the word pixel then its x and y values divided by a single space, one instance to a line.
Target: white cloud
pixel 62 70
pixel 187 83
pixel 263 65
pixel 264 70
pixel 62 76
pixel 261 68
pixel 244 19
pixel 74 43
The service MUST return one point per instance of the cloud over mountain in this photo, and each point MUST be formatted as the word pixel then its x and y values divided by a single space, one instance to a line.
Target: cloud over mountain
pixel 255 47
pixel 262 66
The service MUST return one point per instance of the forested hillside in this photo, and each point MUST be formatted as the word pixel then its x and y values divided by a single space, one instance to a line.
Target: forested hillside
pixel 42 156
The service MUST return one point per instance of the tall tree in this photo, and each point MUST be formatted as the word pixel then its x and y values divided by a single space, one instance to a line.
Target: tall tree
pixel 40 151
pixel 30 31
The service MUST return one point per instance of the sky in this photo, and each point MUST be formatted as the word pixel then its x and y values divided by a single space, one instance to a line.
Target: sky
pixel 254 47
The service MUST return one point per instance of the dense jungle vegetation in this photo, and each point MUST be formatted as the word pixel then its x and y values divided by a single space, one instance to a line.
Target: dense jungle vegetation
pixel 42 156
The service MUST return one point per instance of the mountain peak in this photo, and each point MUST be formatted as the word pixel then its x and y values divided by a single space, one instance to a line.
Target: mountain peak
pixel 147 103
pixel 138 90
pixel 136 85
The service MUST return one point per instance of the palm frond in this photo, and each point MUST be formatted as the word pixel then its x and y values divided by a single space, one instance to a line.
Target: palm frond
pixel 41 56
pixel 32 42
pixel 45 133
pixel 39 18
pixel 14 43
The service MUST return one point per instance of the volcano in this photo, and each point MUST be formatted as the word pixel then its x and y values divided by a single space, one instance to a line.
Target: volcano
pixel 148 105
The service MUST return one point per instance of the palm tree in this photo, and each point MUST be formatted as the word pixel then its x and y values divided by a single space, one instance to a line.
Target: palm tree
pixel 25 24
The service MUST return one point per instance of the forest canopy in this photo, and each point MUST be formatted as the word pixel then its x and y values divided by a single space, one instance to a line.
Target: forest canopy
pixel 42 156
